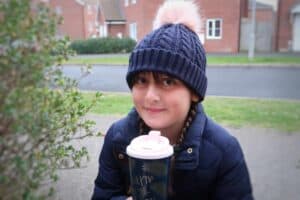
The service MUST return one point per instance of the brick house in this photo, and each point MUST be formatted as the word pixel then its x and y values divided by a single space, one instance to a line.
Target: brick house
pixel 222 22
pixel 139 15
pixel 127 18
pixel 134 18
pixel 288 25
pixel 80 17
pixel 111 19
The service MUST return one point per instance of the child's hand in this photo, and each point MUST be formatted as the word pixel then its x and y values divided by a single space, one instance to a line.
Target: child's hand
pixel 129 198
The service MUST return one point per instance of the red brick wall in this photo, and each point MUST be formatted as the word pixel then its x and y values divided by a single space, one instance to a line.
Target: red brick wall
pixel 90 18
pixel 143 13
pixel 284 31
pixel 149 13
pixel 114 29
pixel 73 23
pixel 230 13
pixel 101 17
pixel 244 8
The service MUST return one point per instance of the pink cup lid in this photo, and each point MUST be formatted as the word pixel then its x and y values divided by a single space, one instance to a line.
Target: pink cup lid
pixel 151 146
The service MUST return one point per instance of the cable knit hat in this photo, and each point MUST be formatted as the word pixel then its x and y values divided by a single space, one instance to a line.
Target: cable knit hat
pixel 173 47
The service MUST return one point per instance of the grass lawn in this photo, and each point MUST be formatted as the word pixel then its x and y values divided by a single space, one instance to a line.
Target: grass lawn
pixel 211 60
pixel 120 60
pixel 278 114
pixel 256 60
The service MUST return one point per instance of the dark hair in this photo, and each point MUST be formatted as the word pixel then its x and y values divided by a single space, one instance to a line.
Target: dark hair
pixel 157 77
pixel 144 129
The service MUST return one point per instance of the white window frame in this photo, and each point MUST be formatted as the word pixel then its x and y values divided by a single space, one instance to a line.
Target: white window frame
pixel 89 9
pixel 103 30
pixel 91 27
pixel 133 31
pixel 211 32
pixel 126 3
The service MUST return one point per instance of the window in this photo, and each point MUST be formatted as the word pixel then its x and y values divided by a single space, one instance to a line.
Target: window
pixel 58 10
pixel 133 1
pixel 133 31
pixel 91 27
pixel 126 3
pixel 103 31
pixel 214 29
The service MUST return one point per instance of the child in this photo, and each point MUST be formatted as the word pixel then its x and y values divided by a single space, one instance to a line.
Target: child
pixel 166 75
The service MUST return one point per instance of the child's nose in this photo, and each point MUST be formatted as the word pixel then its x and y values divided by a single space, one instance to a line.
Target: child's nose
pixel 152 93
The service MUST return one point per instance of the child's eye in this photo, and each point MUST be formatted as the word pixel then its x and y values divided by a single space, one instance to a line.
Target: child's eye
pixel 168 82
pixel 140 80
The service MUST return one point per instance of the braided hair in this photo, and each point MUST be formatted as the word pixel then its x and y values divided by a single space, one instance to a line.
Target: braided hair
pixel 144 129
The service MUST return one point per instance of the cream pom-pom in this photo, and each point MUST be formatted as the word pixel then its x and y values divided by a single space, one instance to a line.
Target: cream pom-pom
pixel 179 12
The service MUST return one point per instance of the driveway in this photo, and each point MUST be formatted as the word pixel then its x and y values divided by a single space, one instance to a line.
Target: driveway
pixel 273 159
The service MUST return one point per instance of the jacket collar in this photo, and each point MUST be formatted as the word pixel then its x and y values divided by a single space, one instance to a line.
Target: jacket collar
pixel 187 156
pixel 127 129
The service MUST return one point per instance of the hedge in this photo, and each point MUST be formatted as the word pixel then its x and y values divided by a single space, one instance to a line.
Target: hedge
pixel 103 45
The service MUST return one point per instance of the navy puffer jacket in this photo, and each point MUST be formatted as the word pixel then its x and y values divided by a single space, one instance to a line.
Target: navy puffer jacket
pixel 209 165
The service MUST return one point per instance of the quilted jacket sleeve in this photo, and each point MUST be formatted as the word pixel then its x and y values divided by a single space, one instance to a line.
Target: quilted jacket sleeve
pixel 233 177
pixel 108 184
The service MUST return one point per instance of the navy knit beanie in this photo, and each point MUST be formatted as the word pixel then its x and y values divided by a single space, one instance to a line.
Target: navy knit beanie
pixel 172 49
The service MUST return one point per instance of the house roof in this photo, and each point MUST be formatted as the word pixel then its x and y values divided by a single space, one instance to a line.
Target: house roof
pixel 112 10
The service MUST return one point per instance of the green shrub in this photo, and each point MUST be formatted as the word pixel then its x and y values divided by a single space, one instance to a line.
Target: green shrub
pixel 103 45
pixel 41 111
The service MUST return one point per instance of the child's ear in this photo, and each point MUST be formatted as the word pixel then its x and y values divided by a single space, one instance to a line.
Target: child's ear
pixel 195 98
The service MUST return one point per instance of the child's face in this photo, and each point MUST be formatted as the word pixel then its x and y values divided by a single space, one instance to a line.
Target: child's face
pixel 162 102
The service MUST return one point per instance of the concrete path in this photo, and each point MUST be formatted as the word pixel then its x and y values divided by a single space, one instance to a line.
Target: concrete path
pixel 273 159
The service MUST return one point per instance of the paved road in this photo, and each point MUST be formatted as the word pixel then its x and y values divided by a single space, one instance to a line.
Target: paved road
pixel 261 82
pixel 272 156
